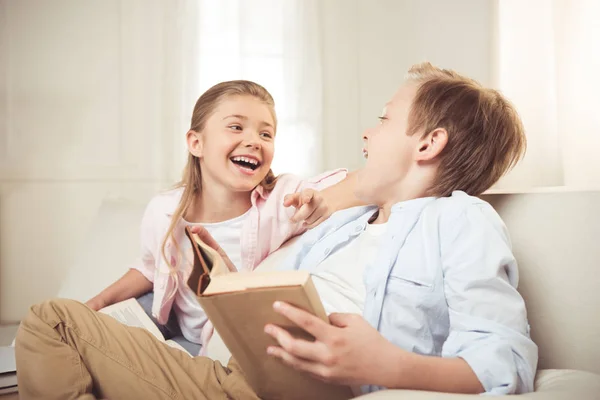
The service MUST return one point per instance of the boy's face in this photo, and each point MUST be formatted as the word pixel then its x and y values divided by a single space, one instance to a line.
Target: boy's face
pixel 389 150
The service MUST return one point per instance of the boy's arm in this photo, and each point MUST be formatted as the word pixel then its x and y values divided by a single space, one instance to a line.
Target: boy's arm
pixel 436 374
pixel 488 318
pixel 352 352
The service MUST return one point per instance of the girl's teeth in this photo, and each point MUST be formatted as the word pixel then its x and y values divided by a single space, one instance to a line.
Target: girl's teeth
pixel 245 159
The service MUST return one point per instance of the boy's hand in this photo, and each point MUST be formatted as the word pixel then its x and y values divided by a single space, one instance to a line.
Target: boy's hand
pixel 350 351
pixel 209 240
pixel 310 207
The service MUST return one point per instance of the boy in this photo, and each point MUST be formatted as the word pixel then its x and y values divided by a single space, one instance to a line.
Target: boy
pixel 437 278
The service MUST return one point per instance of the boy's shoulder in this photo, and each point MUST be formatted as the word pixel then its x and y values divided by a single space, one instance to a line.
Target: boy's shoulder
pixel 457 202
pixel 450 210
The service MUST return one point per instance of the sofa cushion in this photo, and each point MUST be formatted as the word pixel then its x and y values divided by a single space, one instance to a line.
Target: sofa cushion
pixel 111 246
pixel 554 238
pixel 549 385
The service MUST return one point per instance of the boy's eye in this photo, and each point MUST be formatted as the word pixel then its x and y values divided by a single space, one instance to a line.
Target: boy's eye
pixel 235 127
pixel 266 135
pixel 381 119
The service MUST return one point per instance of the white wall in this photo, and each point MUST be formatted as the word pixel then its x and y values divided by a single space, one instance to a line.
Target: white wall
pixel 82 111
pixel 369 45
pixel 548 66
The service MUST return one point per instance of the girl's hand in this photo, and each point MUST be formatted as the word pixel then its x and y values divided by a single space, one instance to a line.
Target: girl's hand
pixel 310 205
pixel 209 240
pixel 96 303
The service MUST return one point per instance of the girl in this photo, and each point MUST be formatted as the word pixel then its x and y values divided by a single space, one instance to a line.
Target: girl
pixel 227 187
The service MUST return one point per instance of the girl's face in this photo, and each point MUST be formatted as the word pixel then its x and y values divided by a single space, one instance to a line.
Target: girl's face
pixel 236 146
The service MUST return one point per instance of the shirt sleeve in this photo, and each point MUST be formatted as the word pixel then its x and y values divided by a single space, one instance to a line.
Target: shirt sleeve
pixel 324 180
pixel 146 263
pixel 488 319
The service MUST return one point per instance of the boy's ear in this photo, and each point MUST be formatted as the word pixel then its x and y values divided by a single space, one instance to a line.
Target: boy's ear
pixel 194 143
pixel 432 144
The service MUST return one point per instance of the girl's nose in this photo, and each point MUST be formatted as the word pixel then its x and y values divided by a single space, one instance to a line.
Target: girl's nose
pixel 252 140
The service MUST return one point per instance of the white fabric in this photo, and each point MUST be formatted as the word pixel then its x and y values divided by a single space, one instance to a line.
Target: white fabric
pixel 189 314
pixel 339 279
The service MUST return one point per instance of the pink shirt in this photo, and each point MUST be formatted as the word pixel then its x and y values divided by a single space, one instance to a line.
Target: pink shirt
pixel 267 227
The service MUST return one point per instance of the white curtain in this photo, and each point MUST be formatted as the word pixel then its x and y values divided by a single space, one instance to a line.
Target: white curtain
pixel 548 65
pixel 272 42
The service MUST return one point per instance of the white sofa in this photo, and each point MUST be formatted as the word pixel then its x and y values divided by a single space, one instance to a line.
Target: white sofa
pixel 555 239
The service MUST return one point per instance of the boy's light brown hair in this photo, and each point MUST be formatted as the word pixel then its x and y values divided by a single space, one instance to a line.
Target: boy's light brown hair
pixel 485 133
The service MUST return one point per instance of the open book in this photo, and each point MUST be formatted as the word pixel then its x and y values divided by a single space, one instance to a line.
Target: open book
pixel 130 312
pixel 240 304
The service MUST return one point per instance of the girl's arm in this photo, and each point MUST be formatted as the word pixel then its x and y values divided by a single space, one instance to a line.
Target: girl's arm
pixel 137 280
pixel 132 284
pixel 314 205
pixel 341 195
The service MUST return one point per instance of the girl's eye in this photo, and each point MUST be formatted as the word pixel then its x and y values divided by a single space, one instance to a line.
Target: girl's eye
pixel 235 127
pixel 381 119
pixel 266 135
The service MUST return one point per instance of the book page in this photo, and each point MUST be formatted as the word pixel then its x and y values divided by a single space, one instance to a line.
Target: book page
pixel 8 370
pixel 8 380
pixel 129 312
pixel 210 257
pixel 10 389
pixel 242 281
pixel 7 360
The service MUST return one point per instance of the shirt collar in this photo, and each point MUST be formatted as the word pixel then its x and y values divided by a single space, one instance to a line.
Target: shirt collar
pixel 413 204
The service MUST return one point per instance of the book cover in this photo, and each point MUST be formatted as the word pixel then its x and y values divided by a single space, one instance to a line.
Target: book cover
pixel 240 304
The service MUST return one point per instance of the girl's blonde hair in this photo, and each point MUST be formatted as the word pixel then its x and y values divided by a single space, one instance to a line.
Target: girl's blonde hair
pixel 191 180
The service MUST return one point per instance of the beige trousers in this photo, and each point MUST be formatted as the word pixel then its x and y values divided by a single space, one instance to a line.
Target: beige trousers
pixel 65 350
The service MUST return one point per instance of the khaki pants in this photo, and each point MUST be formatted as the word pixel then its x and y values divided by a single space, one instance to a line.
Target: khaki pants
pixel 65 350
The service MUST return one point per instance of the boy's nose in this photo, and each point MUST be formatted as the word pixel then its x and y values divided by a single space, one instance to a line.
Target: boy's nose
pixel 365 135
